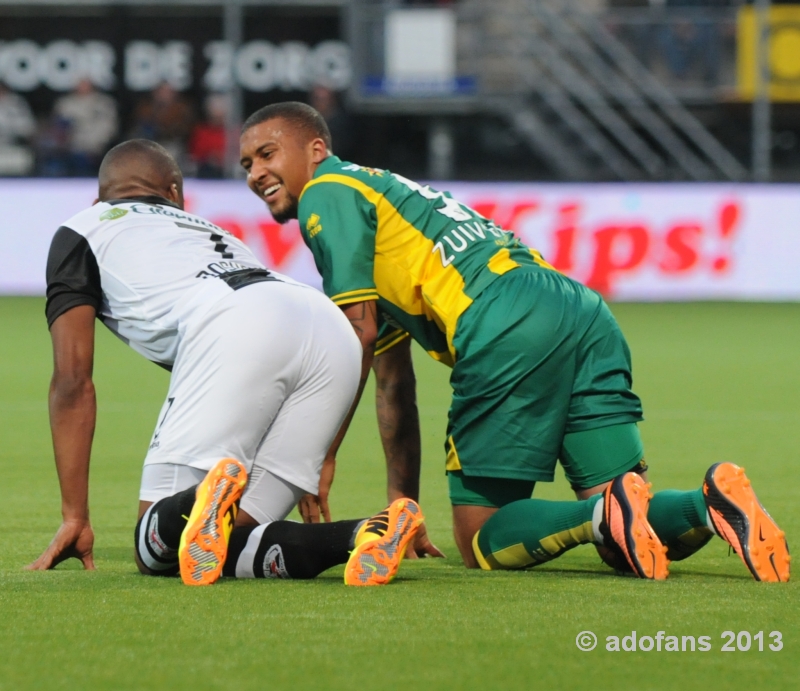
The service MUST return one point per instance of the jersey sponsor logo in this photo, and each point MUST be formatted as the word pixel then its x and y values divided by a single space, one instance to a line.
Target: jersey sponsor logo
pixel 275 564
pixel 149 209
pixel 313 226
pixel 459 238
pixel 364 169
pixel 113 214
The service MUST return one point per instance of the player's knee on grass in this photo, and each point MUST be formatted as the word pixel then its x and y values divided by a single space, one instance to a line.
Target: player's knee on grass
pixel 158 534
pixel 475 500
pixel 593 458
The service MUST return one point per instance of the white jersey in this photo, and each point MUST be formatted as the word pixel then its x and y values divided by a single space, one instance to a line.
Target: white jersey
pixel 148 268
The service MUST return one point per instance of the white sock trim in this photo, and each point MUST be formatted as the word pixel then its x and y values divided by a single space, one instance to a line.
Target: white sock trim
pixel 597 517
pixel 710 523
pixel 244 564
pixel 142 547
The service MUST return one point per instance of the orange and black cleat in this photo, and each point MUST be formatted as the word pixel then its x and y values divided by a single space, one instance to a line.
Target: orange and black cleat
pixel 204 541
pixel 627 531
pixel 381 543
pixel 742 522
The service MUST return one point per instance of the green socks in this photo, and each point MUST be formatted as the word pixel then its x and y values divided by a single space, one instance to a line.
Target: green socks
pixel 679 519
pixel 532 531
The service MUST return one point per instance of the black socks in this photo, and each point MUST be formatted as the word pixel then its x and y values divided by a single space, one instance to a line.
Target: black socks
pixel 285 549
pixel 158 532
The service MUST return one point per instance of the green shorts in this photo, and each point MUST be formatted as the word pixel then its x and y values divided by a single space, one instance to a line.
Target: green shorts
pixel 539 357
pixel 597 456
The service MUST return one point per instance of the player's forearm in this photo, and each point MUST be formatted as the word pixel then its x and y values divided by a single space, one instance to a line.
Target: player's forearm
pixel 73 413
pixel 363 317
pixel 401 444
pixel 366 365
pixel 398 420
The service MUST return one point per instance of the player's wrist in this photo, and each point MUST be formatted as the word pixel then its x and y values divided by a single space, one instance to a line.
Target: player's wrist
pixel 400 493
pixel 73 514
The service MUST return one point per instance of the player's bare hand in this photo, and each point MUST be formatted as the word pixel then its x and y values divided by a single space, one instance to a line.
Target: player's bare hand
pixel 308 506
pixel 73 539
pixel 422 546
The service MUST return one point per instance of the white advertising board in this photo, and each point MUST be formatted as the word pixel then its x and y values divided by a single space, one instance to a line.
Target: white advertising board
pixel 631 242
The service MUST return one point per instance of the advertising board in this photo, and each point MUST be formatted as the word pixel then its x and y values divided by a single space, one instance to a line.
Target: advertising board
pixel 630 242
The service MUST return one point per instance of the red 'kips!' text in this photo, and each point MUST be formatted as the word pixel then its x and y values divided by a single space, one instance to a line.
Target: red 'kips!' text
pixel 600 253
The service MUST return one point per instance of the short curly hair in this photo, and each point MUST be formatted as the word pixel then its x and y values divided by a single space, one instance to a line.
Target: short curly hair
pixel 300 115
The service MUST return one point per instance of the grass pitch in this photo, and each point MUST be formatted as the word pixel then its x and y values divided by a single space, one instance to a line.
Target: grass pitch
pixel 718 381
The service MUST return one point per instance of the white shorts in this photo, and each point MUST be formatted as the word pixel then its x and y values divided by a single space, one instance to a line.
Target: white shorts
pixel 267 377
pixel 266 498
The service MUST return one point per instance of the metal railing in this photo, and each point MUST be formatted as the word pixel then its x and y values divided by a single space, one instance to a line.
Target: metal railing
pixel 573 86
pixel 690 51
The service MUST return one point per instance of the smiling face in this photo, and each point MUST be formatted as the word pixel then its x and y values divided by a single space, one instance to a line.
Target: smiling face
pixel 280 158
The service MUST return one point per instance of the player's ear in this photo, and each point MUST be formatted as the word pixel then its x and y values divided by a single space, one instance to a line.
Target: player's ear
pixel 319 150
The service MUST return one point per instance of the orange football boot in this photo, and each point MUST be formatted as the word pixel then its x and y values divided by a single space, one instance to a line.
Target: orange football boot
pixel 204 541
pixel 741 520
pixel 626 529
pixel 381 544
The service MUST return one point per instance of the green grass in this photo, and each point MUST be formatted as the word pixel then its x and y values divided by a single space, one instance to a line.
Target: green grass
pixel 718 381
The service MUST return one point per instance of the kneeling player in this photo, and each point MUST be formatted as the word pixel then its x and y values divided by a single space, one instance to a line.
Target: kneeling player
pixel 264 370
pixel 541 370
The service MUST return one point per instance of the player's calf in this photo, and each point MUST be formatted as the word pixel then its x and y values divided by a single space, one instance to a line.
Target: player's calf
pixel 372 547
pixel 533 531
pixel 285 549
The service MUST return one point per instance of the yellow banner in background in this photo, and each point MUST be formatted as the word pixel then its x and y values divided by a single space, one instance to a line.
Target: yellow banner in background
pixel 783 35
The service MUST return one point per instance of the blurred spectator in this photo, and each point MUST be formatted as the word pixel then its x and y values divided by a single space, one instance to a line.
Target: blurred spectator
pixel 17 127
pixel 83 126
pixel 339 122
pixel 165 117
pixel 207 143
pixel 692 42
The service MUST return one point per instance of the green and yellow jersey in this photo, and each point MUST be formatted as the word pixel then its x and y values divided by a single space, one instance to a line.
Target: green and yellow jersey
pixel 422 255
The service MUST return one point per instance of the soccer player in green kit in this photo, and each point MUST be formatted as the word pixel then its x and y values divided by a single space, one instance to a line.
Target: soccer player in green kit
pixel 540 370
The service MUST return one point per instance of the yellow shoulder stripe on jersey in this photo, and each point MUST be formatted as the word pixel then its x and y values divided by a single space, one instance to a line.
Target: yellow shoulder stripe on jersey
pixel 354 293
pixel 342 180
pixel 403 262
pixel 390 341
pixel 355 296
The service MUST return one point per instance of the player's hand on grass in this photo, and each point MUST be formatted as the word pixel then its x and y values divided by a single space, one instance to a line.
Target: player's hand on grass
pixel 311 505
pixel 73 539
pixel 422 546
pixel 309 508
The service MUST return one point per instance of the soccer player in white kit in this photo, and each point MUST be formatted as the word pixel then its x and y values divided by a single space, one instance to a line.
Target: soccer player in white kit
pixel 264 371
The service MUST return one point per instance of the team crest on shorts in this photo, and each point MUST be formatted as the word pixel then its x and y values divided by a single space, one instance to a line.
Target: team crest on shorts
pixel 274 564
